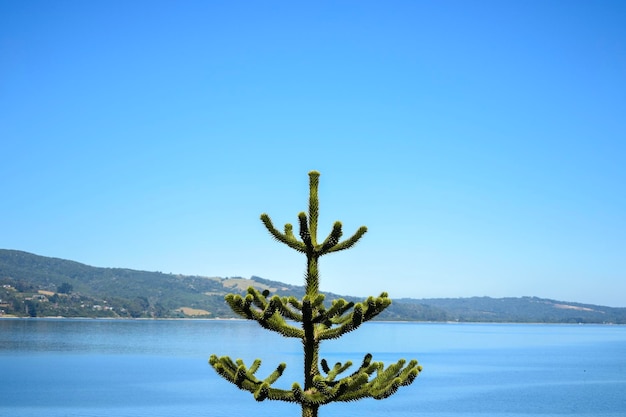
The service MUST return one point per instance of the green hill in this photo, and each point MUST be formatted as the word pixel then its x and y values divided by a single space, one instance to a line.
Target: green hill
pixel 38 286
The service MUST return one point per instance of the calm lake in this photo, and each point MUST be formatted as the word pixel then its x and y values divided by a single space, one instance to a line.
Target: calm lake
pixel 141 368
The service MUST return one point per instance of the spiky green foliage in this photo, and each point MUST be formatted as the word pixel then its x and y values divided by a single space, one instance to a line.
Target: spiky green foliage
pixel 317 322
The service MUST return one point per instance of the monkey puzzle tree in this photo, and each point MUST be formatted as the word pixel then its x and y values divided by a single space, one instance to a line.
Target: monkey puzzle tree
pixel 323 383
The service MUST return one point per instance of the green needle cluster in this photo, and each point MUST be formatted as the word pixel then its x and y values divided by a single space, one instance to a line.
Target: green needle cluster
pixel 311 320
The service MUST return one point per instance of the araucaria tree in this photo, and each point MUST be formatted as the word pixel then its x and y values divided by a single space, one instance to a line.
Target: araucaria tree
pixel 317 321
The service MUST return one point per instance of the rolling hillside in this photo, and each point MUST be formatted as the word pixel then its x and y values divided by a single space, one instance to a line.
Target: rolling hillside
pixel 38 286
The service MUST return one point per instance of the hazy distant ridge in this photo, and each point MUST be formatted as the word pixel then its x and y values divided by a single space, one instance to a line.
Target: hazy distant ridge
pixel 30 286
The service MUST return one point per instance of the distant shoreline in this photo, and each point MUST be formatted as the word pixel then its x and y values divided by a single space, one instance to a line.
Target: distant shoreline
pixel 7 317
pixel 37 286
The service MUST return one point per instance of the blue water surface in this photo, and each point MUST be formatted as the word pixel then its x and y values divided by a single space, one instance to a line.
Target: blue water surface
pixel 138 368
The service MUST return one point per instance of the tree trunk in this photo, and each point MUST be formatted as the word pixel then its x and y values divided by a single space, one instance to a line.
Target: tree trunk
pixel 309 410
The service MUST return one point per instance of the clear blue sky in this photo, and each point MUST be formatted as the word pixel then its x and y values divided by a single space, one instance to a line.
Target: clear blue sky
pixel 483 143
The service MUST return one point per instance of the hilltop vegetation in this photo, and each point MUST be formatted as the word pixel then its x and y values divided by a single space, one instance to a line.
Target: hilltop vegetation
pixel 37 286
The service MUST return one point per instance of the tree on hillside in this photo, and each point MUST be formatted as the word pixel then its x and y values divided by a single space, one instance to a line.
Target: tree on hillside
pixel 323 383
pixel 65 288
